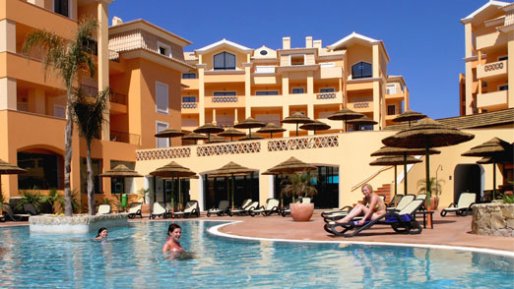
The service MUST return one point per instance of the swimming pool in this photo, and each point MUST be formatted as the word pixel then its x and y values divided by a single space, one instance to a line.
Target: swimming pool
pixel 132 258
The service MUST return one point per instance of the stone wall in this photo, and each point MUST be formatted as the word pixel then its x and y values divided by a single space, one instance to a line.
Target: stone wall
pixel 496 219
pixel 77 224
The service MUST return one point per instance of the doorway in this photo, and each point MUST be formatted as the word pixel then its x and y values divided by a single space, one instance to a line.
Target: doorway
pixel 467 178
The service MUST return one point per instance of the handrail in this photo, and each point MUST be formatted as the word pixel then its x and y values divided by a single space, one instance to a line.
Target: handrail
pixel 366 180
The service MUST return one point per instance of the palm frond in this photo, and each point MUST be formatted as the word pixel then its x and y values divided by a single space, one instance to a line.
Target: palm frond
pixel 89 112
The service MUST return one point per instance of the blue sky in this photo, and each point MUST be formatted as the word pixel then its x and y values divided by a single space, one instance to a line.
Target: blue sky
pixel 424 39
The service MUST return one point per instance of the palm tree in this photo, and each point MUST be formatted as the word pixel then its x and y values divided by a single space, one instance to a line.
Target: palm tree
pixel 89 116
pixel 68 59
pixel 299 185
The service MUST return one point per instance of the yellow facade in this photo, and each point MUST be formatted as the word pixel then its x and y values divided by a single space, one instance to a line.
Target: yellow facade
pixel 489 59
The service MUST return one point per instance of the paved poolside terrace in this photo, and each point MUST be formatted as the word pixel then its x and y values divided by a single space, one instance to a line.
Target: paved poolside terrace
pixel 448 231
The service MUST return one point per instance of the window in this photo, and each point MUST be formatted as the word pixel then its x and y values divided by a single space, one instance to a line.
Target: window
pixel 62 7
pixel 297 59
pixel 188 99
pixel 297 90
pixel 391 109
pixel 189 75
pixel 224 61
pixel 391 89
pixel 263 52
pixel 361 70
pixel 265 69
pixel 161 142
pixel 503 87
pixel 59 111
pixel 502 58
pixel 161 97
pixel 163 49
pixel 43 171
pixel 327 89
pixel 224 93
pixel 266 92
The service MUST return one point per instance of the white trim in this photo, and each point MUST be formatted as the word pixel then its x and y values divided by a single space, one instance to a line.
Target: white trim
pixel 165 46
pixel 157 139
pixel 353 35
pixel 157 109
pixel 223 42
pixel 485 6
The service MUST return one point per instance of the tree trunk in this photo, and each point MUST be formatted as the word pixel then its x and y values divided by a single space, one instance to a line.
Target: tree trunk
pixel 90 184
pixel 68 131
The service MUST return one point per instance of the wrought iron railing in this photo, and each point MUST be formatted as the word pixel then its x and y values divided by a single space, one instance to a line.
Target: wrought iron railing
pixel 224 99
pixel 163 153
pixel 189 105
pixel 326 95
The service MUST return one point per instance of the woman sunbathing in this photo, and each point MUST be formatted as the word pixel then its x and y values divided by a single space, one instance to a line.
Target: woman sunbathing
pixel 372 206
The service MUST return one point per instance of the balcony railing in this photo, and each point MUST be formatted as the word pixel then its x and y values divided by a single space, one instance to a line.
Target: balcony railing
pixel 189 105
pixel 496 98
pixel 360 104
pixel 224 99
pixel 492 69
pixel 118 98
pixel 118 136
pixel 326 95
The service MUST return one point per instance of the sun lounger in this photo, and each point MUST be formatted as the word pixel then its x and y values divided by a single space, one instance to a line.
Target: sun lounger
pixel 10 215
pixel 158 211
pixel 335 215
pixel 135 210
pixel 463 206
pixel 404 201
pixel 191 210
pixel 244 204
pixel 246 211
pixel 401 222
pixel 103 209
pixel 221 210
pixel 270 208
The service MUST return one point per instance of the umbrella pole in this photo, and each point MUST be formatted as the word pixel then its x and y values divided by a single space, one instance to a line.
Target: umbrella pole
pixel 404 174
pixel 427 169
pixel 233 190
pixel 395 183
pixel 250 133
pixel 154 188
pixel 494 179
pixel 297 129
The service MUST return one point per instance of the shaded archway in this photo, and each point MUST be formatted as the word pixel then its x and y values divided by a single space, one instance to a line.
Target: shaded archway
pixel 44 169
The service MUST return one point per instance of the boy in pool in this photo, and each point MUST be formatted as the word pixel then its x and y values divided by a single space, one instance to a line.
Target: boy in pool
pixel 172 244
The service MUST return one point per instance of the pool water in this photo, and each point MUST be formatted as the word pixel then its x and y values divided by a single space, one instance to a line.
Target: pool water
pixel 132 258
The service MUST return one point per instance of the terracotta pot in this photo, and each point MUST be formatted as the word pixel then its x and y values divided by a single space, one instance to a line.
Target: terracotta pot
pixel 145 209
pixel 432 204
pixel 302 212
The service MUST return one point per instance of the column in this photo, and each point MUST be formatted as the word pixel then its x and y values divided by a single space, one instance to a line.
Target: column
pixel 201 92
pixel 103 60
pixel 510 76
pixel 248 89
pixel 376 88
pixel 8 93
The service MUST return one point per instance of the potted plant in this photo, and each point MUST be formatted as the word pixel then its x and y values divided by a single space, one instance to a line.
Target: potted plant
pixel 142 193
pixel 299 185
pixel 436 188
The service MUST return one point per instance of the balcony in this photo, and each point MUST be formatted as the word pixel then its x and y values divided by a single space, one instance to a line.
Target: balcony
pixel 492 70
pixel 124 137
pixel 224 101
pixel 496 99
pixel 361 106
pixel 490 40
pixel 29 70
pixel 326 95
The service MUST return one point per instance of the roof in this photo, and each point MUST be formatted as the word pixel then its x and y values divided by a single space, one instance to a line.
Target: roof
pixel 151 28
pixel 483 8
pixel 350 38
pixel 221 43
pixel 480 120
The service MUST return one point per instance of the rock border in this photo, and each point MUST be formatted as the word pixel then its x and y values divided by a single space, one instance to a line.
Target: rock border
pixel 494 219
pixel 76 224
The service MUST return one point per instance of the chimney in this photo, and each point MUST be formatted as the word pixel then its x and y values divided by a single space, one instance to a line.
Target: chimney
pixel 286 42
pixel 318 44
pixel 116 21
pixel 308 42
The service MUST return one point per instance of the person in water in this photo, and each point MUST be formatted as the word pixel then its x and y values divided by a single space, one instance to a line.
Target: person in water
pixel 372 206
pixel 102 234
pixel 173 242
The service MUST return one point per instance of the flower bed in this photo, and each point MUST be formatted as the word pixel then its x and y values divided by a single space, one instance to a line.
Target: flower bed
pixel 495 219
pixel 77 224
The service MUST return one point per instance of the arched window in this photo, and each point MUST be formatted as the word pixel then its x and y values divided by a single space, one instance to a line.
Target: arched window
pixel 224 61
pixel 361 70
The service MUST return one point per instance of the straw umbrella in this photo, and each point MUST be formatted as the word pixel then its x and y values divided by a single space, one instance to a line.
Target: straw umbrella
pixel 345 114
pixel 427 133
pixel 364 120
pixel 173 171
pixel 231 132
pixel 170 133
pixel 121 171
pixel 251 137
pixel 315 126
pixel 495 149
pixel 271 128
pixel 290 166
pixel 404 152
pixel 216 139
pixel 409 116
pixel 232 170
pixel 297 118
pixel 9 169
pixel 195 136
pixel 394 161
pixel 250 123
pixel 209 128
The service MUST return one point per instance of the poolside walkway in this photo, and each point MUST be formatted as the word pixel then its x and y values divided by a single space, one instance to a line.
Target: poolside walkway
pixel 450 231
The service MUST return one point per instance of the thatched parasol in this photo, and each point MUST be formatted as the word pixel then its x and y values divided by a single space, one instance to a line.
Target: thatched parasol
pixel 216 139
pixel 297 118
pixel 345 114
pixel 173 171
pixel 364 120
pixel 251 137
pixel 250 123
pixel 231 132
pixel 271 128
pixel 170 133
pixel 409 116
pixel 315 125
pixel 291 165
pixel 209 129
pixel 231 169
pixel 121 171
pixel 195 136
pixel 404 152
pixel 9 169
pixel 496 150
pixel 394 161
pixel 427 133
